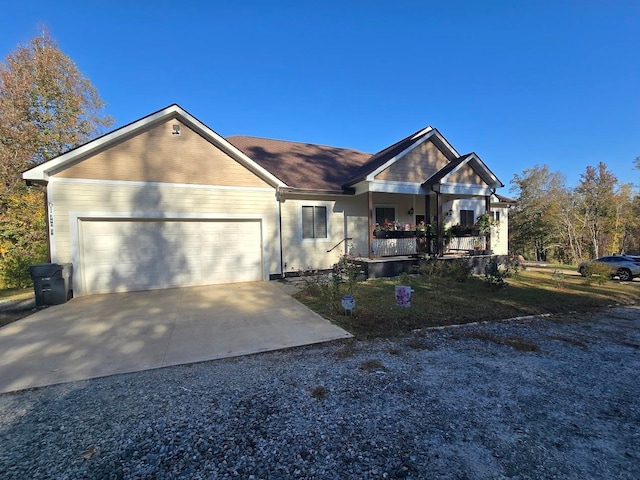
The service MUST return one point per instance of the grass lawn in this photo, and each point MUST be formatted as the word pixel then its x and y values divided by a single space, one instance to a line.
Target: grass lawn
pixel 9 294
pixel 441 301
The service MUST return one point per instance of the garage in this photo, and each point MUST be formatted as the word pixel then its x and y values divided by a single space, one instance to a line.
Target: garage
pixel 120 255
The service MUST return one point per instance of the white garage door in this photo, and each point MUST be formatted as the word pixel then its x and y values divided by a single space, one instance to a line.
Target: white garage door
pixel 120 256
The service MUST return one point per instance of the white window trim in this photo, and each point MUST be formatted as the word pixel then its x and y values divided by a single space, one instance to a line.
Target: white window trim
pixel 328 206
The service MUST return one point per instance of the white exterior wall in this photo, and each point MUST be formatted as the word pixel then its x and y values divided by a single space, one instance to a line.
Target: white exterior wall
pixel 346 217
pixel 74 199
pixel 499 233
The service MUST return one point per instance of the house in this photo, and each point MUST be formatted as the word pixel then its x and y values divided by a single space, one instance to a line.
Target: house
pixel 166 202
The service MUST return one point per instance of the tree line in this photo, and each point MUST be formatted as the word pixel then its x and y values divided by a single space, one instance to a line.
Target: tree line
pixel 46 108
pixel 552 222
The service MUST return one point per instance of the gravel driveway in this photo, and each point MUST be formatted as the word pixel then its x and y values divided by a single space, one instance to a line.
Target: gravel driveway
pixel 533 399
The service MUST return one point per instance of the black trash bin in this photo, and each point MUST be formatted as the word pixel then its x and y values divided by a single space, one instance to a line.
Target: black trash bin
pixel 52 283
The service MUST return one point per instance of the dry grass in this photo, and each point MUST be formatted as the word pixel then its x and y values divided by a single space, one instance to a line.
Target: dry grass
pixel 517 343
pixel 9 294
pixel 569 340
pixel 348 350
pixel 319 392
pixel 372 366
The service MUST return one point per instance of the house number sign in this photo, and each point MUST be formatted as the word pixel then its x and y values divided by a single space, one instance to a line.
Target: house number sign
pixel 51 219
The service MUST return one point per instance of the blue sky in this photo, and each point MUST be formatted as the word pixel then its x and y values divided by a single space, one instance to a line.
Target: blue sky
pixel 518 82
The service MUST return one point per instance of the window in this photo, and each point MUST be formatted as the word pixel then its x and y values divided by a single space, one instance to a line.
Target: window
pixel 385 214
pixel 467 218
pixel 314 222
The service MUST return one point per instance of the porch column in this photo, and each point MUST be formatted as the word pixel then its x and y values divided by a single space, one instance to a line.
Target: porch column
pixel 371 223
pixel 427 219
pixel 487 207
pixel 439 213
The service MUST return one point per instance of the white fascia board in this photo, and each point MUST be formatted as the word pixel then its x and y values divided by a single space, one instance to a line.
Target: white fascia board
pixel 446 143
pixel 391 161
pixel 460 189
pixel 493 182
pixel 396 187
pixel 389 187
pixel 361 187
pixel 41 172
pixel 485 173
pixel 225 146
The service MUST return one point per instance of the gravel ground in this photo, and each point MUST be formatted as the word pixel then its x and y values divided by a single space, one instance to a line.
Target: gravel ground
pixel 537 398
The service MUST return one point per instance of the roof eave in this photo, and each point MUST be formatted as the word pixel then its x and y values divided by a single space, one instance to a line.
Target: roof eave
pixel 316 191
pixel 42 172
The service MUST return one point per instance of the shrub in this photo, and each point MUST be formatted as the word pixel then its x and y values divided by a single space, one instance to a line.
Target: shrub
pixel 458 269
pixel 330 288
pixel 597 272
pixel 494 275
pixel 14 266
pixel 348 272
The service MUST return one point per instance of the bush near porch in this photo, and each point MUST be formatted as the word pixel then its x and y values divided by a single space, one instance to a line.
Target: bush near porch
pixel 441 301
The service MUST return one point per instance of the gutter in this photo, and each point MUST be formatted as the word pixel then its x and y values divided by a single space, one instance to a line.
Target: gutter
pixel 312 191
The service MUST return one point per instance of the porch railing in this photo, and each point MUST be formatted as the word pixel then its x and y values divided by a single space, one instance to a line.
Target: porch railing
pixel 467 243
pixel 392 247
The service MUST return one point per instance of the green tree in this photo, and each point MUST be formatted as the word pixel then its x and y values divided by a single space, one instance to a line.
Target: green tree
pixel 598 208
pixel 535 222
pixel 47 107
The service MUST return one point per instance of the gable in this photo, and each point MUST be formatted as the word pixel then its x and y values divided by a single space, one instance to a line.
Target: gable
pixel 466 175
pixel 417 165
pixel 156 154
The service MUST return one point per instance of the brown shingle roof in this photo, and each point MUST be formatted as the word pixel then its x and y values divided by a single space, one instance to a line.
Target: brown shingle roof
pixel 385 155
pixel 302 165
pixel 505 199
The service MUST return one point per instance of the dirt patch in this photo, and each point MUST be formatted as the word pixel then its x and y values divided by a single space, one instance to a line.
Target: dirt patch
pixel 13 310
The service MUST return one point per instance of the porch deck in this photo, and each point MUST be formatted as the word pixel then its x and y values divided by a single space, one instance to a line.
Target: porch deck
pixel 392 266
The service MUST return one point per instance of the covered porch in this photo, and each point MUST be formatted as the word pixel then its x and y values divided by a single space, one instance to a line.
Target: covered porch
pixel 423 185
pixel 432 224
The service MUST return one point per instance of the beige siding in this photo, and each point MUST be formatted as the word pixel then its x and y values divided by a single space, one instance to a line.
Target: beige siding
pixel 87 199
pixel 416 166
pixel 500 233
pixel 156 155
pixel 466 175
pixel 347 217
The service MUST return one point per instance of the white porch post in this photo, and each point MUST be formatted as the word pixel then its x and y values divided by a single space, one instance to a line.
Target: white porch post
pixel 371 223
pixel 487 206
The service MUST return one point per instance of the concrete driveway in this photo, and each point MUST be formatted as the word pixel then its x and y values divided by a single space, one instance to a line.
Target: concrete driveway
pixel 101 335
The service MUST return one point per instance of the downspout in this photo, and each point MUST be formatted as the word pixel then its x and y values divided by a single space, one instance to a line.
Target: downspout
pixel 371 226
pixel 282 264
pixel 46 214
